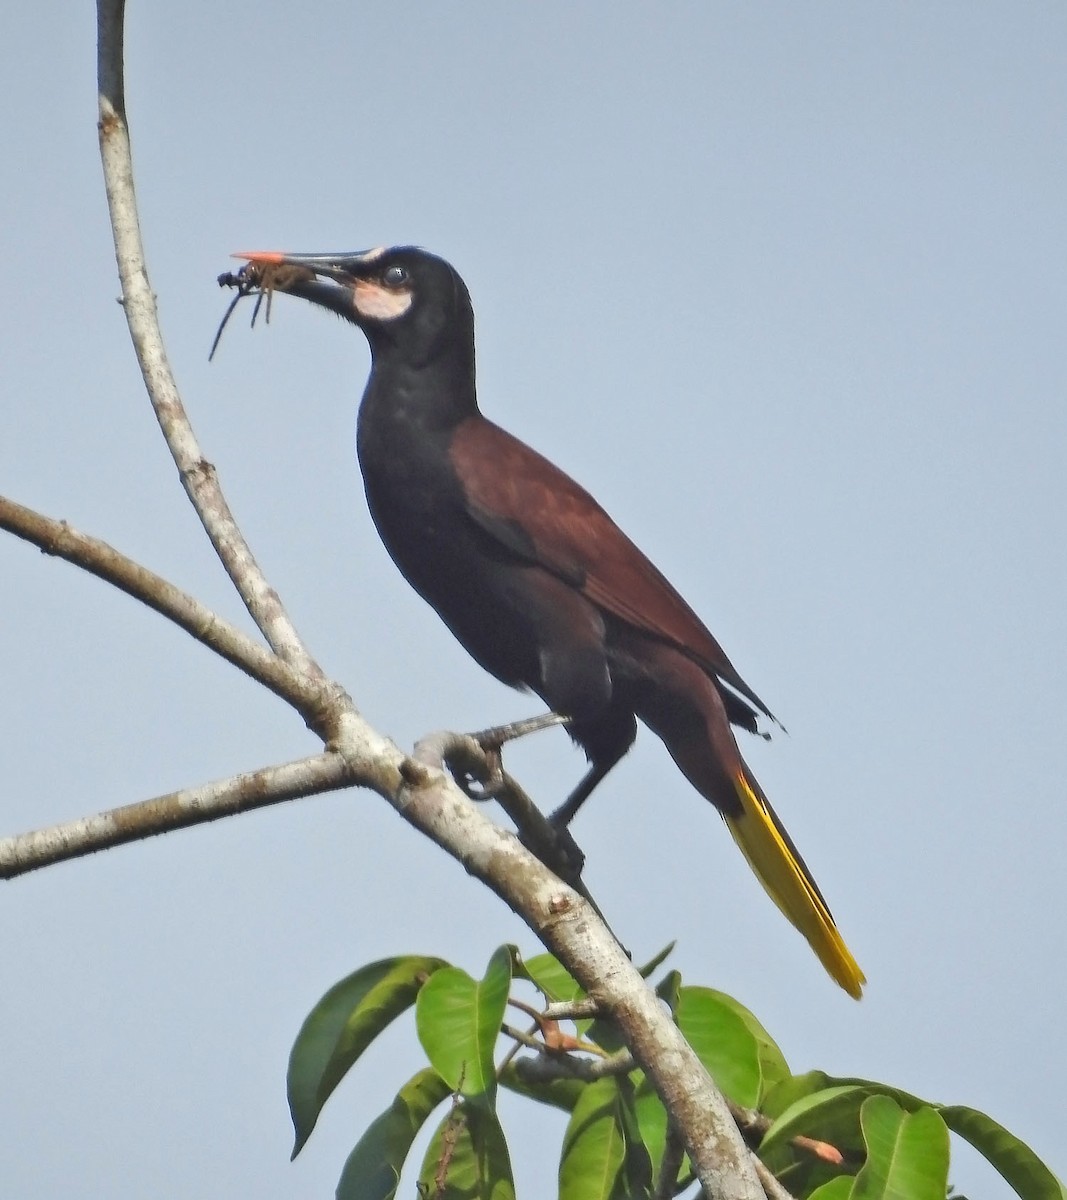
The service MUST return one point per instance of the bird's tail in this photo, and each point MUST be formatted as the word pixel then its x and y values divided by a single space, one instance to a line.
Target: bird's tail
pixel 777 863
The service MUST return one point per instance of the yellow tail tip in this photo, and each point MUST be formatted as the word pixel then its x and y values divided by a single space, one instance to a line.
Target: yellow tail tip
pixel 778 866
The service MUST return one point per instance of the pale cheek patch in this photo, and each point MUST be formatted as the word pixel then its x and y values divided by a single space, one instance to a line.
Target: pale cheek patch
pixel 380 304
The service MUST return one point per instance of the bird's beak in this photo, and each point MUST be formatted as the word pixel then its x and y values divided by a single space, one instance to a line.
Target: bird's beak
pixel 341 267
pixel 328 280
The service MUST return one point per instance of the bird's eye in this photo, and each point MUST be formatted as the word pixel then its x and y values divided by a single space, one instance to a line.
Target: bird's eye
pixel 395 276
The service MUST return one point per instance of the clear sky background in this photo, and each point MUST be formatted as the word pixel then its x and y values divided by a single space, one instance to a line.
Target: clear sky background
pixel 784 287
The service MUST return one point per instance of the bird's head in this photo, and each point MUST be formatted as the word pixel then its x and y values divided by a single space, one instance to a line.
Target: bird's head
pixel 406 301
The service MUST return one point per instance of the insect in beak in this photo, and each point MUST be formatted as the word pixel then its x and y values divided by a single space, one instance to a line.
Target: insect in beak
pixel 258 279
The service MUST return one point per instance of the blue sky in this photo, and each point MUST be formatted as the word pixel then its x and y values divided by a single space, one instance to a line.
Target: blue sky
pixel 784 287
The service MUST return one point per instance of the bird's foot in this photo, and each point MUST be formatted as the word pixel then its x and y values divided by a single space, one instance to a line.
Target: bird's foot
pixel 487 781
pixel 558 850
pixel 477 766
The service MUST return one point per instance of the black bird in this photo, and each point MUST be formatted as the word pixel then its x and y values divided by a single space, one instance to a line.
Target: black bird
pixel 532 576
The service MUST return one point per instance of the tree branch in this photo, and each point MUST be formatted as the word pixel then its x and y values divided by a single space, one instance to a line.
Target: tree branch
pixel 198 476
pixel 547 1067
pixel 771 1187
pixel 58 538
pixel 570 928
pixel 673 1154
pixel 571 1010
pixel 176 810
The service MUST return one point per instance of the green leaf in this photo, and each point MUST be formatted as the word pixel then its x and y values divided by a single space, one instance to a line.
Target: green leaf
pixel 603 1032
pixel 773 1067
pixel 831 1115
pixel 468 1158
pixel 722 1041
pixel 657 960
pixel 559 1093
pixel 837 1189
pixel 342 1025
pixel 559 986
pixel 788 1091
pixel 668 987
pixel 907 1101
pixel 372 1171
pixel 593 1146
pixel 801 1173
pixel 1016 1162
pixel 651 1121
pixel 636 1176
pixel 518 963
pixel 458 1021
pixel 1019 1165
pixel 552 978
pixel 907 1153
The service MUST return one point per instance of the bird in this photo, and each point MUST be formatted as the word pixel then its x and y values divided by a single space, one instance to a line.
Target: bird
pixel 531 575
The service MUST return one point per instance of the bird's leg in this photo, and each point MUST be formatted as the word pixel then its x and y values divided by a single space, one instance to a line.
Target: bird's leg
pixel 551 842
pixel 460 753
pixel 561 818
pixel 541 837
pixel 605 742
pixel 563 815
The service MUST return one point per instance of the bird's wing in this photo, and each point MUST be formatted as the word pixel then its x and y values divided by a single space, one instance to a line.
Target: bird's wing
pixel 541 515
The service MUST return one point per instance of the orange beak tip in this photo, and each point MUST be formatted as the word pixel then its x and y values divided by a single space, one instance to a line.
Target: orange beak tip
pixel 260 256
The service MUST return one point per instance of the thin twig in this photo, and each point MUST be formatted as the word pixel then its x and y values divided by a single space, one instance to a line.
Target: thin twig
pixel 670 1165
pixel 755 1124
pixel 528 1009
pixel 198 476
pixel 522 1037
pixel 553 1039
pixel 770 1184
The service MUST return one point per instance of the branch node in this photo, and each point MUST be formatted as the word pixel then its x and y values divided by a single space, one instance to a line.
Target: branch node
pixel 414 773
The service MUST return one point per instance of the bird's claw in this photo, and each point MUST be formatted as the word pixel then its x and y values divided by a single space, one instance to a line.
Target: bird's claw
pixel 490 782
pixel 485 784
